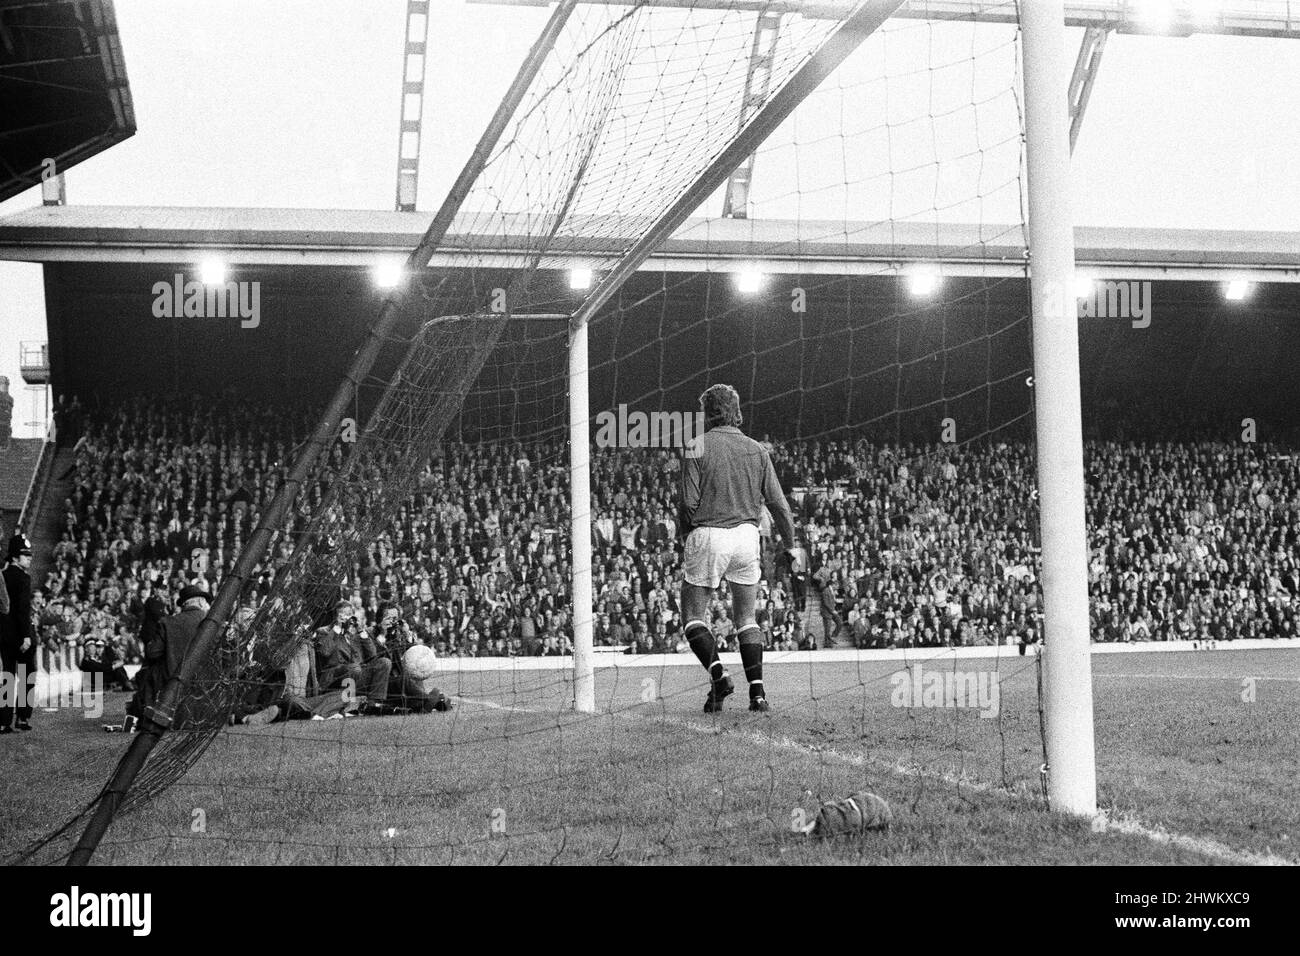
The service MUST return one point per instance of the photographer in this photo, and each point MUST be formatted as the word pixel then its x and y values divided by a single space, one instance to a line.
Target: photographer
pixel 395 635
pixel 345 652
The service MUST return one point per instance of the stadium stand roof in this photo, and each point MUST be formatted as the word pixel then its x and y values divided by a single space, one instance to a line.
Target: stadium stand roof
pixel 63 85
pixel 353 237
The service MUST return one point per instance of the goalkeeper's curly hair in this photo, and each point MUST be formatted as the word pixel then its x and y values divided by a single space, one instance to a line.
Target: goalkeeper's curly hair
pixel 721 405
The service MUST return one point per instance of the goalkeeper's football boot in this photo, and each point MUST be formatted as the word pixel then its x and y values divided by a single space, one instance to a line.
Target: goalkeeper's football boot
pixel 759 704
pixel 722 689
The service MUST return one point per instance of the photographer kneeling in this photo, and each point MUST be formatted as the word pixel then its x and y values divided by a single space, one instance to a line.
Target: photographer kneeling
pixel 345 652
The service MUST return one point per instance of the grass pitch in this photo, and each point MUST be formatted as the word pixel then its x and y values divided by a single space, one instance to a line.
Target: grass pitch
pixel 1197 756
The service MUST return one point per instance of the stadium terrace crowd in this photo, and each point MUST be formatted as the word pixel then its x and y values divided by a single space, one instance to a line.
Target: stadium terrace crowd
pixel 910 545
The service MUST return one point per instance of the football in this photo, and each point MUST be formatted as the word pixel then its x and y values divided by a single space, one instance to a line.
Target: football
pixel 855 814
pixel 420 664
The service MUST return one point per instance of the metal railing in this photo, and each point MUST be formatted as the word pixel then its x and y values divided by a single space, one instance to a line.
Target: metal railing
pixel 39 482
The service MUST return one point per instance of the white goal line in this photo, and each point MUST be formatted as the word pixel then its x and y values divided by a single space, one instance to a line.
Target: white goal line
pixel 614 659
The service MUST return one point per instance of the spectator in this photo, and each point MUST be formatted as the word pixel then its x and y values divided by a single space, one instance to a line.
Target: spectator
pixel 102 660
pixel 1189 536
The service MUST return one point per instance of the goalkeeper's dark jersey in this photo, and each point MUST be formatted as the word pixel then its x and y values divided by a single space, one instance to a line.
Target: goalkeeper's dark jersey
pixel 726 479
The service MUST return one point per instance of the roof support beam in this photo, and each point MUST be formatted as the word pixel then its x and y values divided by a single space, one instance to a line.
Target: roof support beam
pixel 1085 74
pixel 767 33
pixel 414 59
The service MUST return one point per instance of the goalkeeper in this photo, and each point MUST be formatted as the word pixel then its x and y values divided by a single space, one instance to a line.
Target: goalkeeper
pixel 726 479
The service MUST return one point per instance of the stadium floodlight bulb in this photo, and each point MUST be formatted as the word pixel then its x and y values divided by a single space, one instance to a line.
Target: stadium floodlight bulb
pixel 923 282
pixel 388 274
pixel 212 271
pixel 1237 290
pixel 580 279
pixel 749 282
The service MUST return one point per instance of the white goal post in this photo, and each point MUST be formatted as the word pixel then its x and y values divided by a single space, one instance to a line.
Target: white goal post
pixel 1067 667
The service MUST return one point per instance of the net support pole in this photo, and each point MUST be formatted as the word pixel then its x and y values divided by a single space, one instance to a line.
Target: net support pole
pixel 584 678
pixel 1067 665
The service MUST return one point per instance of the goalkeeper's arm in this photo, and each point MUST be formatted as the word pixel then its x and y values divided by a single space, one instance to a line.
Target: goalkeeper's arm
pixel 689 500
pixel 779 508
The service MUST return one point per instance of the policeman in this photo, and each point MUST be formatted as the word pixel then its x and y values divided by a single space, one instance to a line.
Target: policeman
pixel 17 640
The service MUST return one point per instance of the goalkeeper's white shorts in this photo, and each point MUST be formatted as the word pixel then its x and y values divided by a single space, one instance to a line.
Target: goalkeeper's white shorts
pixel 713 555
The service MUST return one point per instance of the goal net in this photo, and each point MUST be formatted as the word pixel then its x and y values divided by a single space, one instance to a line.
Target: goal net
pixel 865 294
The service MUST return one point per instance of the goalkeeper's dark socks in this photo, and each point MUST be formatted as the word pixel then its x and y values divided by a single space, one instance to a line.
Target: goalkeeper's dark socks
pixel 751 656
pixel 706 649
